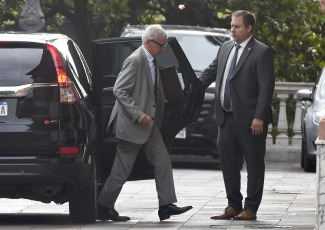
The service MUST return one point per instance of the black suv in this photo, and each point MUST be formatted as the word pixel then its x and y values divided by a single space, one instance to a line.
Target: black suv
pixel 200 45
pixel 54 113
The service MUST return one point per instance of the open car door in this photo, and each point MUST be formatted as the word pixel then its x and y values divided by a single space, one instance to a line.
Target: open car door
pixel 182 109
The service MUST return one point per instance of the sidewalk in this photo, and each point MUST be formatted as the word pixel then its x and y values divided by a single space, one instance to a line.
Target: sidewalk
pixel 288 203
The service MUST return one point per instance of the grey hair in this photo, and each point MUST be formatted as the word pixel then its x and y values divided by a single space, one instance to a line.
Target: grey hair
pixel 153 32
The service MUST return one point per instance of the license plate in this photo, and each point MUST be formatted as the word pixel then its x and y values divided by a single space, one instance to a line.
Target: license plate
pixel 181 134
pixel 3 108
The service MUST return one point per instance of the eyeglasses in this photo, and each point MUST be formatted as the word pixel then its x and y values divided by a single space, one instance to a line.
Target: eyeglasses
pixel 161 45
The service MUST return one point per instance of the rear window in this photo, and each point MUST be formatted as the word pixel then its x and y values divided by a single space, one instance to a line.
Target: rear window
pixel 20 66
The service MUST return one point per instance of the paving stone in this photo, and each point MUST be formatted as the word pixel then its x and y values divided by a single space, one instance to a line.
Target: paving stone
pixel 288 203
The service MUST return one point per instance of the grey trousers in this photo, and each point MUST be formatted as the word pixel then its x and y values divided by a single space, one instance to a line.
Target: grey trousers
pixel 156 154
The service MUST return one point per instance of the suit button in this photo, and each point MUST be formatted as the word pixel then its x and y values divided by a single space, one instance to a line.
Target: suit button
pixel 154 106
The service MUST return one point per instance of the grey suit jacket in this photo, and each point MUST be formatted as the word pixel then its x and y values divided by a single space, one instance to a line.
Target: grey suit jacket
pixel 134 93
pixel 251 86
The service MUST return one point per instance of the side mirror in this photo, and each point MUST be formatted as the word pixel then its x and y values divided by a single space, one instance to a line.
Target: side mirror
pixel 304 95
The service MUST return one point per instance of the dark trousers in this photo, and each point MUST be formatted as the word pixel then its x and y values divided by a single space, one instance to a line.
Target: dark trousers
pixel 237 144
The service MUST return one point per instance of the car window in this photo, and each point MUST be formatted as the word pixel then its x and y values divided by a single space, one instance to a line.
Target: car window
pixel 199 49
pixel 109 69
pixel 21 66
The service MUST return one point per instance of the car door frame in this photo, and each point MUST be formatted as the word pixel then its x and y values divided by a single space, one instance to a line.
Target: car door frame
pixel 194 99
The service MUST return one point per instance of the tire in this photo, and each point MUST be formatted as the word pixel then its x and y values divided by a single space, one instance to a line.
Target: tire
pixel 307 163
pixel 302 156
pixel 83 203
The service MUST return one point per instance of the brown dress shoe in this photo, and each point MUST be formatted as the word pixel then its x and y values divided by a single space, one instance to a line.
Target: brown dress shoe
pixel 228 214
pixel 246 215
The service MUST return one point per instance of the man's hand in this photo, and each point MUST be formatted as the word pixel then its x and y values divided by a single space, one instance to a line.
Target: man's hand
pixel 257 126
pixel 145 120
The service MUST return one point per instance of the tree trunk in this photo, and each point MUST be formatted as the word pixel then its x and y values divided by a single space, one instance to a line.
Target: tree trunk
pixel 81 23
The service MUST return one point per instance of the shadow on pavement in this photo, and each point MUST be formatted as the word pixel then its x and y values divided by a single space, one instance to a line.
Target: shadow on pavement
pixel 35 219
pixel 196 165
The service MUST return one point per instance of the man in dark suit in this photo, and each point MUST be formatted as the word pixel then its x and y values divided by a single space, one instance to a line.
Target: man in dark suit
pixel 136 119
pixel 244 75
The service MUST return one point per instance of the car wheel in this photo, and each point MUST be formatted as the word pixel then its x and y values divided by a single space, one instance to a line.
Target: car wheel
pixel 307 163
pixel 302 155
pixel 83 203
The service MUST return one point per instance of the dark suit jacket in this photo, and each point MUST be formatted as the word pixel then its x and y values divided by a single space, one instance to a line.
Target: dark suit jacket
pixel 251 86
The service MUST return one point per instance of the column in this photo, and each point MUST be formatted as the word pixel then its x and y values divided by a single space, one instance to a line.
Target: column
pixel 296 139
pixel 282 138
pixel 320 174
pixel 32 18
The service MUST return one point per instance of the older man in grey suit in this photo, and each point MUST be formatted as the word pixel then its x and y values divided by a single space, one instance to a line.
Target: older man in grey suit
pixel 244 75
pixel 136 119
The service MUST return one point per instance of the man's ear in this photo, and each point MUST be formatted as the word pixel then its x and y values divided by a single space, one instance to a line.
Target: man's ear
pixel 147 41
pixel 250 28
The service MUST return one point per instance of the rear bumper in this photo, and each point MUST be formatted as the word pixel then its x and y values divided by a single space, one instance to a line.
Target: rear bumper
pixel 76 174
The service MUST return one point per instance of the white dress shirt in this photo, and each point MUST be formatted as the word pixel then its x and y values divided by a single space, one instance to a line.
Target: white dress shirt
pixel 231 55
pixel 151 65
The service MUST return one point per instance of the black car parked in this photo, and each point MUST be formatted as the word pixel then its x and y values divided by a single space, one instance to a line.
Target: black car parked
pixel 54 113
pixel 198 140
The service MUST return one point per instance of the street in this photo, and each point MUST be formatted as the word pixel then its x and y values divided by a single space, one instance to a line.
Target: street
pixel 288 203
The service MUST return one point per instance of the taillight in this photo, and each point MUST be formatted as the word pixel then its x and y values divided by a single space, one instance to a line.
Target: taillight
pixel 68 93
pixel 69 150
pixel 62 76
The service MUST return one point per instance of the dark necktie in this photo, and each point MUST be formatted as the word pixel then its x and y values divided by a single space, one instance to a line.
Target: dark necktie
pixel 227 99
pixel 155 84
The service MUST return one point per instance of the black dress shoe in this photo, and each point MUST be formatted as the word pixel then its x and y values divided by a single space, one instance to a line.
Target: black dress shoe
pixel 168 210
pixel 105 213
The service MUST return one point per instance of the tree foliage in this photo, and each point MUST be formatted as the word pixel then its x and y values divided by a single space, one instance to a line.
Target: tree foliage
pixel 88 19
pixel 295 29
pixel 9 14
pixel 83 20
